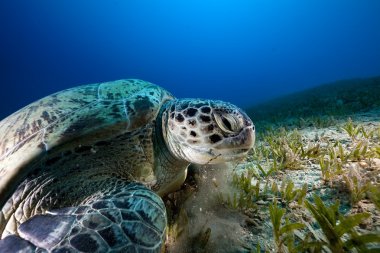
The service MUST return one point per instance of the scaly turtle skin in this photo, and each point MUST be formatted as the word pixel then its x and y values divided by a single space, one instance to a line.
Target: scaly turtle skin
pixel 83 170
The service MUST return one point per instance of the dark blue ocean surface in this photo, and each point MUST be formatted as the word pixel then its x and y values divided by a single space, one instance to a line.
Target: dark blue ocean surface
pixel 240 51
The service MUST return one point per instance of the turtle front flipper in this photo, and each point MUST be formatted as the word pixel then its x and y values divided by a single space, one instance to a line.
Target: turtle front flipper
pixel 129 218
pixel 13 243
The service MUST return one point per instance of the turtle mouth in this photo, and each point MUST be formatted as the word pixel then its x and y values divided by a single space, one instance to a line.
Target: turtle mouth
pixel 241 142
pixel 243 150
pixel 233 152
pixel 227 155
pixel 238 153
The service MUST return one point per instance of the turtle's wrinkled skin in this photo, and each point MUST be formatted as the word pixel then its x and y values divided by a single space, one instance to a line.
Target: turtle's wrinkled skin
pixel 83 170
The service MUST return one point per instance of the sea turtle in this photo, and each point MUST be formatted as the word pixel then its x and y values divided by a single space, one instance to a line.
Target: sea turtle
pixel 84 169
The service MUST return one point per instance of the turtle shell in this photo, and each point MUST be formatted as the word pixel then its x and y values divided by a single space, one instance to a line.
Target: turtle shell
pixel 98 110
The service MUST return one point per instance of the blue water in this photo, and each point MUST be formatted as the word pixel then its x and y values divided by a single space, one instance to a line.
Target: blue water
pixel 244 52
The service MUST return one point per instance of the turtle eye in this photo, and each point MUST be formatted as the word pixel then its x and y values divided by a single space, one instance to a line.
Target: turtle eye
pixel 227 123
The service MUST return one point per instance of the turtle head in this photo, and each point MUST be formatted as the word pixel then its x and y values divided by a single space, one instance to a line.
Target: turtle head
pixel 207 131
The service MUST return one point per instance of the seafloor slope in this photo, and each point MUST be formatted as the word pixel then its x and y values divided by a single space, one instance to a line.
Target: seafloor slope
pixel 312 183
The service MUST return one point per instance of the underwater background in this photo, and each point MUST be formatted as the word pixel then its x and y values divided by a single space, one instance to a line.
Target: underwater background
pixel 245 52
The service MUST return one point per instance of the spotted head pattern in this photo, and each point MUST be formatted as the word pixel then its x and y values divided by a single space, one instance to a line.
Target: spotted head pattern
pixel 207 131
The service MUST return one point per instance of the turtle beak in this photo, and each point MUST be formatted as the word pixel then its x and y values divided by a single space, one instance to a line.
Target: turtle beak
pixel 234 148
pixel 244 141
